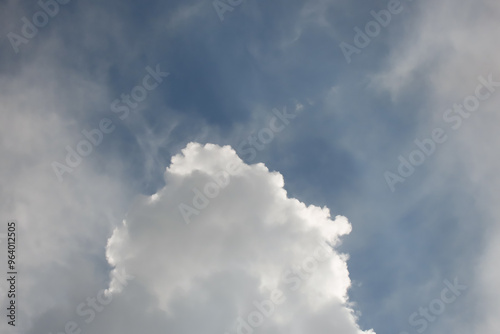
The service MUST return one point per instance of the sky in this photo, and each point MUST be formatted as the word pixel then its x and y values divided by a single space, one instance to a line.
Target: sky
pixel 249 167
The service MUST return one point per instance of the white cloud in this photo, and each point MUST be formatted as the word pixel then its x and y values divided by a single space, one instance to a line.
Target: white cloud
pixel 62 227
pixel 237 252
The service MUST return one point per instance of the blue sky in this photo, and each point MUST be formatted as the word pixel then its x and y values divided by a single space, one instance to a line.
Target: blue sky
pixel 227 80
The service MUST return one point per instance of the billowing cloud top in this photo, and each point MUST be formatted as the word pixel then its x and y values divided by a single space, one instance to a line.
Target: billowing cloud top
pixel 249 260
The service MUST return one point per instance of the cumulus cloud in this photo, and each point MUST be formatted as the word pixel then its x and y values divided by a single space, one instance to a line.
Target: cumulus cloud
pixel 253 260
